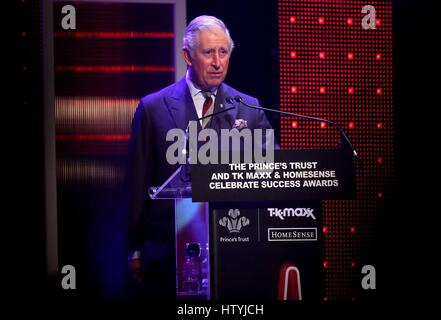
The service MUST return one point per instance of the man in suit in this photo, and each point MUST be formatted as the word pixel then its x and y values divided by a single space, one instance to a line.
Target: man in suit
pixel 207 50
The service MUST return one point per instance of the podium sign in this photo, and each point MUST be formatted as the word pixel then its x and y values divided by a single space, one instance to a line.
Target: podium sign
pixel 265 220
pixel 293 175
pixel 267 252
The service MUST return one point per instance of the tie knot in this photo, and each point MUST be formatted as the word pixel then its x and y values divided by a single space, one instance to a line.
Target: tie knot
pixel 206 94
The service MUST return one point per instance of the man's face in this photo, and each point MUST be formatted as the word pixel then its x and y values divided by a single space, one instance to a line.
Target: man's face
pixel 209 64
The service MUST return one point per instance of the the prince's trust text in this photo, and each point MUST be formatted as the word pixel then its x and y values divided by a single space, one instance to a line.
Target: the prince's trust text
pixel 224 309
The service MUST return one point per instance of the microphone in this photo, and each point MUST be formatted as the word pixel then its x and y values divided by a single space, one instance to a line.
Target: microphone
pixel 185 151
pixel 184 170
pixel 340 129
pixel 228 99
pixel 215 113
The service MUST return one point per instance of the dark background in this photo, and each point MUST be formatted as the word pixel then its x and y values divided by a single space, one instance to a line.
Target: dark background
pixel 405 242
pixel 255 56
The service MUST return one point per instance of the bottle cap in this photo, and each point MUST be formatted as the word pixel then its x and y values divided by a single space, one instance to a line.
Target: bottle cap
pixel 193 249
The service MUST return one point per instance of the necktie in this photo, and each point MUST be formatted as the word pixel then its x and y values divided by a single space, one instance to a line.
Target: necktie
pixel 207 107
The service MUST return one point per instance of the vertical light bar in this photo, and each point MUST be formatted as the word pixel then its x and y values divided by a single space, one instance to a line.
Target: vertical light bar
pixel 50 178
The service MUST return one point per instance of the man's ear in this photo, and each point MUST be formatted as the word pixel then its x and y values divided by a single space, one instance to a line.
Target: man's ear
pixel 187 56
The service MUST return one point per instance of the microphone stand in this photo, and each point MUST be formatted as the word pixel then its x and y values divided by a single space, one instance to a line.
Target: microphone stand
pixel 340 129
pixel 186 169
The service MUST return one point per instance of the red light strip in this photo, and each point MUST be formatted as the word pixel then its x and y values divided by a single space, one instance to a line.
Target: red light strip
pixel 93 137
pixel 114 69
pixel 114 35
pixel 332 68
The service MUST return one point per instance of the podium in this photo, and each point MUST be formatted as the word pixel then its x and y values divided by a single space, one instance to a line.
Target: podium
pixel 259 225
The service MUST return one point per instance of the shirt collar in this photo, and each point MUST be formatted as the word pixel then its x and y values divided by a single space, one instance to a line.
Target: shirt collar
pixel 194 90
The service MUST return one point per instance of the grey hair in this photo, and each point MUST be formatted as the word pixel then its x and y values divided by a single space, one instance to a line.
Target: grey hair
pixel 203 23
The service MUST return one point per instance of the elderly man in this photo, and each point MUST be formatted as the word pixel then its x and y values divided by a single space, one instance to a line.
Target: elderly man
pixel 207 51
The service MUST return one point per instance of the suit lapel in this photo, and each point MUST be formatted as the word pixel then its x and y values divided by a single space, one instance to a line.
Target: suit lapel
pixel 182 109
pixel 181 106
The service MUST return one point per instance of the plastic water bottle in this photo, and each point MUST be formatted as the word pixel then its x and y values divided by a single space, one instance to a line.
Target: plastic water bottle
pixel 191 270
pixel 205 270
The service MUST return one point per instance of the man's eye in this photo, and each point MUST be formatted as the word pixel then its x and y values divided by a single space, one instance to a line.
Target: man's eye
pixel 221 52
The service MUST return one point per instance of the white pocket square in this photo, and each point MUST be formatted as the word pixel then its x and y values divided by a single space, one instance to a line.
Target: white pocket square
pixel 240 124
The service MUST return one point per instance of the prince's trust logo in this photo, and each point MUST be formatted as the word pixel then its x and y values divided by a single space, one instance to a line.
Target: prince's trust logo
pixel 234 223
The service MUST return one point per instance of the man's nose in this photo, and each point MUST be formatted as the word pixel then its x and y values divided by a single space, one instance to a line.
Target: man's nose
pixel 215 61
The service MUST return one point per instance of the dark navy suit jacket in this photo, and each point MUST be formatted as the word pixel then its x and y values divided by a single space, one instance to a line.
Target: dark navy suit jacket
pixel 157 113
